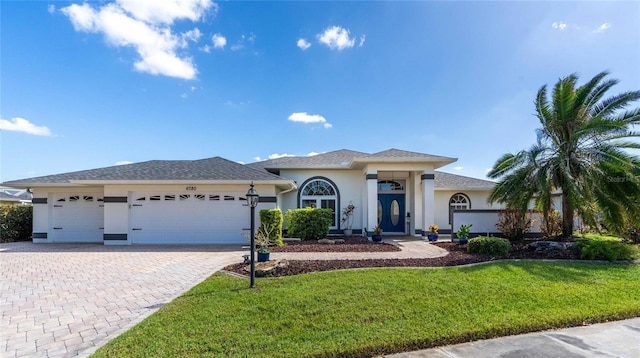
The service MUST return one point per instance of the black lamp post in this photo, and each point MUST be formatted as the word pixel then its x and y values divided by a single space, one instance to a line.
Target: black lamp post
pixel 252 200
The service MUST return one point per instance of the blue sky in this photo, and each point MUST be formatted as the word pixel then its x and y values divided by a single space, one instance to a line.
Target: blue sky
pixel 88 85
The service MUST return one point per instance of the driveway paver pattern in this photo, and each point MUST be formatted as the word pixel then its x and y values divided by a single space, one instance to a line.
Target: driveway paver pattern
pixel 66 300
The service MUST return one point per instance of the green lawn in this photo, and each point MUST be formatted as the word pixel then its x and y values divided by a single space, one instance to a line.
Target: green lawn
pixel 362 313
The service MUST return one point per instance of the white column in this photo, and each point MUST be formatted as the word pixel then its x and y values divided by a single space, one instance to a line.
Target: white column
pixel 42 203
pixel 428 201
pixel 372 200
pixel 416 215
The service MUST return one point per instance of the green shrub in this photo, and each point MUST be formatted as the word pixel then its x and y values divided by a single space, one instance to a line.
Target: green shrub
pixel 309 223
pixel 489 245
pixel 271 222
pixel 607 250
pixel 16 223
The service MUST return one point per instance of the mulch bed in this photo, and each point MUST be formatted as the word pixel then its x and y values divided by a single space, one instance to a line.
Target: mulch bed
pixel 458 255
pixel 351 244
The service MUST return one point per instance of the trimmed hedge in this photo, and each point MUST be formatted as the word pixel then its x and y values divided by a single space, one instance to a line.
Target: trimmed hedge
pixel 16 223
pixel 309 223
pixel 607 250
pixel 272 219
pixel 489 245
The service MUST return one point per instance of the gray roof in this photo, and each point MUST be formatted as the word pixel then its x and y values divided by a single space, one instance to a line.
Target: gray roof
pixel 210 169
pixel 344 158
pixel 458 182
pixel 337 158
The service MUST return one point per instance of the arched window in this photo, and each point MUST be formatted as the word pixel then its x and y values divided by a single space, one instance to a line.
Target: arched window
pixel 320 193
pixel 458 201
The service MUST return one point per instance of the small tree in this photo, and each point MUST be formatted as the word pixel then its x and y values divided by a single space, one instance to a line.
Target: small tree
pixel 271 221
pixel 514 224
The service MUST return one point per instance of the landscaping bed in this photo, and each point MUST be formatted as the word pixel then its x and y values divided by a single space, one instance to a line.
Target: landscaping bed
pixel 349 244
pixel 458 255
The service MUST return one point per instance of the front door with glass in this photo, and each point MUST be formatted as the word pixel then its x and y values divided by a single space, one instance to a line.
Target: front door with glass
pixel 391 211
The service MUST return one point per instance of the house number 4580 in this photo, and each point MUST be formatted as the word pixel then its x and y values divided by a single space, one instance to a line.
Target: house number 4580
pixel 191 188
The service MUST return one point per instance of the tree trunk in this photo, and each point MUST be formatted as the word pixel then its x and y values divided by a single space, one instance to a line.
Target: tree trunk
pixel 567 216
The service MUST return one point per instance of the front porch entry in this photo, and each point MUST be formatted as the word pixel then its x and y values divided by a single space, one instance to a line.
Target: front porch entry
pixel 391 212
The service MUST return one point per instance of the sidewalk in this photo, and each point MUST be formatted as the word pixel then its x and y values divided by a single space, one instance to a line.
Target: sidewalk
pixel 619 339
pixel 412 248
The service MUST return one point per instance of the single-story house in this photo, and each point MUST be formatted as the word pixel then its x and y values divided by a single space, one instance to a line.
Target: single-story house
pixel 10 196
pixel 204 201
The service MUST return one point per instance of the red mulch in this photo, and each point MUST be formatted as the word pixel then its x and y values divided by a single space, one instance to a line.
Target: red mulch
pixel 458 255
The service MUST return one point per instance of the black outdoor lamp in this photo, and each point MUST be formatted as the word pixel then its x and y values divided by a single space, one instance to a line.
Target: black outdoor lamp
pixel 252 200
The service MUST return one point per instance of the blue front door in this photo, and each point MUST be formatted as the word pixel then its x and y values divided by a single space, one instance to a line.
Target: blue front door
pixel 391 212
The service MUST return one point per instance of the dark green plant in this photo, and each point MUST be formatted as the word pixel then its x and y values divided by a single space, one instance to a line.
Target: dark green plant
pixel 489 245
pixel 16 223
pixel 309 223
pixel 582 151
pixel 607 250
pixel 464 231
pixel 272 219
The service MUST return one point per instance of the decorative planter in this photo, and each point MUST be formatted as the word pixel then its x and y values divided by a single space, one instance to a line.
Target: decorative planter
pixel 461 241
pixel 348 232
pixel 432 237
pixel 376 238
pixel 263 257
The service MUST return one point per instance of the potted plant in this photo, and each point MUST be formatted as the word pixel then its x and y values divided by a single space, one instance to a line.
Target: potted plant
pixel 377 234
pixel 262 240
pixel 347 219
pixel 433 233
pixel 463 233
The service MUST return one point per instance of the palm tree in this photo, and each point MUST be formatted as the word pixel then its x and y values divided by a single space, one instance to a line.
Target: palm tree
pixel 583 152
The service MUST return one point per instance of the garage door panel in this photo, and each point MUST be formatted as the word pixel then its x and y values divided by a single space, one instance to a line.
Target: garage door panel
pixel 178 218
pixel 77 218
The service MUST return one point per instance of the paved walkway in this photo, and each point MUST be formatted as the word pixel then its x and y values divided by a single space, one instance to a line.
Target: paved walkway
pixel 65 300
pixel 412 248
pixel 620 339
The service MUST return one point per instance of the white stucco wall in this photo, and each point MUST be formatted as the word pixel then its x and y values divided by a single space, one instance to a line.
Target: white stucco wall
pixel 348 182
pixel 478 200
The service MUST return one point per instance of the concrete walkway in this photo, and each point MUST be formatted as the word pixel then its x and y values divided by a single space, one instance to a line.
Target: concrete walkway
pixel 412 248
pixel 66 300
pixel 620 339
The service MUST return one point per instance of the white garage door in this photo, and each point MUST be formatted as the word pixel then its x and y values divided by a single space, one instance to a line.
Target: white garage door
pixel 77 217
pixel 188 218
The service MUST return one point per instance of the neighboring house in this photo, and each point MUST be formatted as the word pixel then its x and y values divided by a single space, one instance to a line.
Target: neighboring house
pixel 10 196
pixel 203 201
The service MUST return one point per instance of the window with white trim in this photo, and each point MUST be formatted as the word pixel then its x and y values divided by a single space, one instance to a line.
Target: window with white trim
pixel 458 201
pixel 320 193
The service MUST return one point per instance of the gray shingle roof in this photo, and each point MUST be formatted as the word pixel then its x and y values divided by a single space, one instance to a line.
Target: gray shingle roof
pixel 337 158
pixel 213 169
pixel 344 158
pixel 458 182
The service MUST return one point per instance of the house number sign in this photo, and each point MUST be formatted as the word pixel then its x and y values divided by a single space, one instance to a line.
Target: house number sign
pixel 191 188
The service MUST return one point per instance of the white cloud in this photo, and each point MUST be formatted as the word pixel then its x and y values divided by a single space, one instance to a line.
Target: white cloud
pixel 51 8
pixel 488 170
pixel 244 39
pixel 336 38
pixel 559 25
pixel 18 124
pixel 219 41
pixel 257 159
pixel 146 26
pixel 276 155
pixel 604 27
pixel 303 44
pixel 362 38
pixel 311 154
pixel 123 162
pixel 167 11
pixel 458 168
pixel 303 117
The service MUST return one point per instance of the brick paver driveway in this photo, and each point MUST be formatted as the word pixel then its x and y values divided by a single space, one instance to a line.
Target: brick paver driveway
pixel 63 300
